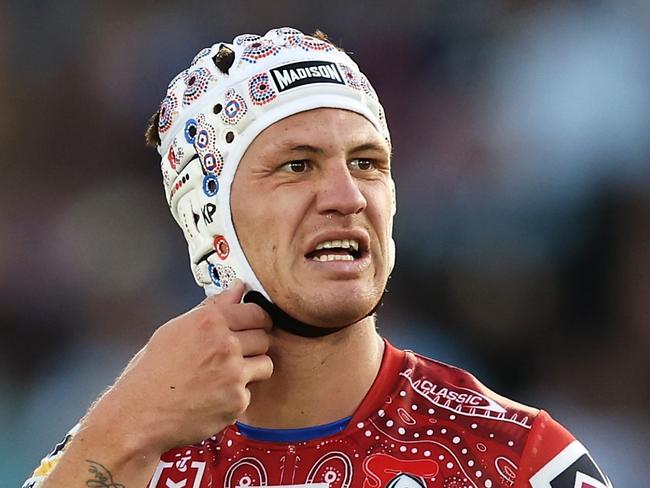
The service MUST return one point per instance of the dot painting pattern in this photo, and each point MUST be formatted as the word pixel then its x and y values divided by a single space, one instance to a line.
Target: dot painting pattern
pixel 196 83
pixel 167 176
pixel 167 113
pixel 311 43
pixel 245 38
pixel 205 144
pixel 222 275
pixel 260 90
pixel 234 109
pixel 287 33
pixel 367 87
pixel 259 49
pixel 200 55
pixel 177 79
pixel 203 137
pixel 212 162
pixel 392 443
pixel 350 77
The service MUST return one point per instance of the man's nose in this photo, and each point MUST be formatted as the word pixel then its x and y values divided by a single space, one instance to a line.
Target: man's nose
pixel 339 191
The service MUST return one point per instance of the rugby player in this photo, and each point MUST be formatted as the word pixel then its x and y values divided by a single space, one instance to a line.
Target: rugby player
pixel 276 164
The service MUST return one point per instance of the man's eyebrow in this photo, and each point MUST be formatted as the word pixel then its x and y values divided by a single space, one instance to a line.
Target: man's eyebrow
pixel 304 147
pixel 369 146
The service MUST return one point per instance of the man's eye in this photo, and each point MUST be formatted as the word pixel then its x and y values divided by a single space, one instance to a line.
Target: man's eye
pixel 362 164
pixel 295 166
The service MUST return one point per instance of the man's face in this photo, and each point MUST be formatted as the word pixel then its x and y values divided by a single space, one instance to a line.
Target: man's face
pixel 311 204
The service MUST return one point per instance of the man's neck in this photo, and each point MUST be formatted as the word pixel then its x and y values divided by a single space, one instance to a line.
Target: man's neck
pixel 316 380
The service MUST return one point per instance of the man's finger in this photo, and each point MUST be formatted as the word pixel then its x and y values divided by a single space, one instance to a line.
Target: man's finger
pixel 249 316
pixel 258 368
pixel 253 342
pixel 233 294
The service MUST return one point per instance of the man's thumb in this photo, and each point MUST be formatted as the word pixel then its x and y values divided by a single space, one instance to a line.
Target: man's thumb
pixel 234 292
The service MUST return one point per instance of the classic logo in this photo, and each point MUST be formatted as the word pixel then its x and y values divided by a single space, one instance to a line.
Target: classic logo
pixel 306 72
pixel 572 468
pixel 455 397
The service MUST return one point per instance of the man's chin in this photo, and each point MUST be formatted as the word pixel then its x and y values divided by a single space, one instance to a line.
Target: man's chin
pixel 335 312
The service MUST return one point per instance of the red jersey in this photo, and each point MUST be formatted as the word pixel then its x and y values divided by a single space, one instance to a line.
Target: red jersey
pixel 422 424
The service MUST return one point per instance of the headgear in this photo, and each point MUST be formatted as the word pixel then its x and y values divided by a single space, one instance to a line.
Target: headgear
pixel 215 108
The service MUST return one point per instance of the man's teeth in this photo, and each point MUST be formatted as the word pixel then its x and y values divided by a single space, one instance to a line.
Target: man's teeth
pixel 334 257
pixel 343 243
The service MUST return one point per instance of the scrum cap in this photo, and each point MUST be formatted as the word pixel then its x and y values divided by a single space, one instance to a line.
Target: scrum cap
pixel 215 108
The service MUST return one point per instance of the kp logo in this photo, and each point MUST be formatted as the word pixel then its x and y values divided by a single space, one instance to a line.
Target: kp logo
pixel 572 468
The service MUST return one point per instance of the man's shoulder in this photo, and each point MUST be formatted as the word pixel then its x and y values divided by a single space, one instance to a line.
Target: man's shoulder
pixel 524 444
pixel 455 389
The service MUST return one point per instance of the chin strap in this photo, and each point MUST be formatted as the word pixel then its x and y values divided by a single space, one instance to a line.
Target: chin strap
pixel 286 322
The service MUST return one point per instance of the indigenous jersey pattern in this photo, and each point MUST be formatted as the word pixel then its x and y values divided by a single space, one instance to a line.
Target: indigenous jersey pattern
pixel 422 424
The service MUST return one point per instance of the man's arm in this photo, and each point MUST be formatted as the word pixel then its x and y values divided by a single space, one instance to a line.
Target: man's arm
pixel 189 382
pixel 97 456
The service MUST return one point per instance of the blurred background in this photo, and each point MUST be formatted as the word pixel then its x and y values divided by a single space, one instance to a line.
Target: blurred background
pixel 521 156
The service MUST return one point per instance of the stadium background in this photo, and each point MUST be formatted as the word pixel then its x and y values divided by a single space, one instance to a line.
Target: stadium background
pixel 521 159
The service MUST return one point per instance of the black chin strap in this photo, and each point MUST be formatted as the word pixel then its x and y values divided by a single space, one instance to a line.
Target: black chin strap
pixel 286 322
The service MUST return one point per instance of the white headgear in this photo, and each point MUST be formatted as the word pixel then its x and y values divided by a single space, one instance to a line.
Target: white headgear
pixel 209 117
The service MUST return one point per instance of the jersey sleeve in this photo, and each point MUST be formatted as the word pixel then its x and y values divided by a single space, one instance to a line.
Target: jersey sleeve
pixel 553 458
pixel 48 462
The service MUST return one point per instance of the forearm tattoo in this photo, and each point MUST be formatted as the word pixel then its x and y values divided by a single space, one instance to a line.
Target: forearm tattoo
pixel 102 477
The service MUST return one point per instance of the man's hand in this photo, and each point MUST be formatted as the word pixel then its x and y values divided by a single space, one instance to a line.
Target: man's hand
pixel 188 383
pixel 191 380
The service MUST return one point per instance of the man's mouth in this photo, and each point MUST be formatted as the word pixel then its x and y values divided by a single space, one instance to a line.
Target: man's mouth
pixel 336 250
